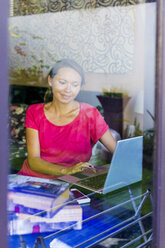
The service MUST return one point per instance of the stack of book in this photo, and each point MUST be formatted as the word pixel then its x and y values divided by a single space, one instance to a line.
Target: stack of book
pixel 38 205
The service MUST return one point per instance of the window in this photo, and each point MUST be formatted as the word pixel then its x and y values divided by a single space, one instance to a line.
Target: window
pixel 146 74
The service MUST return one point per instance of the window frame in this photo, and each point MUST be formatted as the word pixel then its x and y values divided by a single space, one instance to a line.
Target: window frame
pixel 159 147
pixel 159 164
pixel 3 120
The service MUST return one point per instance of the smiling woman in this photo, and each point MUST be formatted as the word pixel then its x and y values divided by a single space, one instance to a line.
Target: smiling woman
pixel 60 134
pixel 65 91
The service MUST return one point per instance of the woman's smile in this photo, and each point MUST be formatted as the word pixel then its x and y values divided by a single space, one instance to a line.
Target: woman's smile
pixel 66 96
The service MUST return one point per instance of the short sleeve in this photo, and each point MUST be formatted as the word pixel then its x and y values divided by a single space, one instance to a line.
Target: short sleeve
pixel 30 119
pixel 98 126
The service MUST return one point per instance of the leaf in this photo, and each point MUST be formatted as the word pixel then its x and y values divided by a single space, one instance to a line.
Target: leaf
pixel 153 118
pixel 14 35
pixel 104 90
pixel 37 37
pixel 22 44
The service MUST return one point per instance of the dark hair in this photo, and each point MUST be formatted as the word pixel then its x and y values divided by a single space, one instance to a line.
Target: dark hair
pixel 67 63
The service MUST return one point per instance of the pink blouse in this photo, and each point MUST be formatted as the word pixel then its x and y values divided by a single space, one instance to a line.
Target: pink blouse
pixel 65 145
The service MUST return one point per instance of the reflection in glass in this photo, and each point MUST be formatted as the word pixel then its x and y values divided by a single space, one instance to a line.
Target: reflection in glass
pixel 115 46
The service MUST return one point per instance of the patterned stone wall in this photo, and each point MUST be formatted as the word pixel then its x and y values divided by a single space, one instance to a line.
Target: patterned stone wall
pixel 101 40
pixel 28 7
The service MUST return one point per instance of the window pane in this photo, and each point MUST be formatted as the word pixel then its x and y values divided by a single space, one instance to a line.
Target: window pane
pixel 114 42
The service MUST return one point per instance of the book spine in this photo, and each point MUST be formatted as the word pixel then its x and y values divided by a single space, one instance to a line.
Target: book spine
pixel 63 215
pixel 21 226
pixel 37 202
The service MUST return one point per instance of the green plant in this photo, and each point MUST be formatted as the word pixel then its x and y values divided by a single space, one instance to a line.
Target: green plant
pixel 138 131
pixel 114 92
pixel 149 136
pixel 36 70
pixel 148 144
pixel 100 109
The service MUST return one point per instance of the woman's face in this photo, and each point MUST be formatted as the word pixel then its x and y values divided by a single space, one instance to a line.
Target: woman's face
pixel 65 85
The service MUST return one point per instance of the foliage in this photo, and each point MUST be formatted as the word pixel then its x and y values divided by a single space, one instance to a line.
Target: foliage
pixel 115 92
pixel 149 136
pixel 153 118
pixel 149 140
pixel 35 71
pixel 100 109
pixel 148 144
pixel 138 131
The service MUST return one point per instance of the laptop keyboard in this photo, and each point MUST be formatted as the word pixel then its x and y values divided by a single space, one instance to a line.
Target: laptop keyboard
pixel 96 182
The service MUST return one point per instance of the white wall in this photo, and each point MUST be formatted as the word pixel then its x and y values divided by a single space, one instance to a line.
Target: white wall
pixel 150 61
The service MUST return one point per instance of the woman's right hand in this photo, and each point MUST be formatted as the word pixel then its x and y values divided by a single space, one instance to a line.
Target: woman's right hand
pixel 80 167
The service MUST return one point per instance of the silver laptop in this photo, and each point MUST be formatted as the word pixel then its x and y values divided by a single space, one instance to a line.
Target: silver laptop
pixel 125 169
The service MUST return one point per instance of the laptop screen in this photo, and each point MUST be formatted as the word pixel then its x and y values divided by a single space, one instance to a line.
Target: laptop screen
pixel 126 164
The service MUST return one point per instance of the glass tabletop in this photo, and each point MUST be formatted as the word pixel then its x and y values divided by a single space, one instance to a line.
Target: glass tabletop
pixel 104 217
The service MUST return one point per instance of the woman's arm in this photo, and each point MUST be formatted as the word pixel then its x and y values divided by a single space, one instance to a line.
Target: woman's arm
pixel 42 166
pixel 108 141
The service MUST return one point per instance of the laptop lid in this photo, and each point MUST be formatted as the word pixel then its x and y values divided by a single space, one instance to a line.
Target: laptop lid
pixel 126 164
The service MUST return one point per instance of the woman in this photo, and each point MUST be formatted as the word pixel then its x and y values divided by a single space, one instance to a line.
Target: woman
pixel 61 133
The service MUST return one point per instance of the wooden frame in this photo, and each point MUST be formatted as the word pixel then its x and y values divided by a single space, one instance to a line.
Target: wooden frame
pixel 3 121
pixel 159 165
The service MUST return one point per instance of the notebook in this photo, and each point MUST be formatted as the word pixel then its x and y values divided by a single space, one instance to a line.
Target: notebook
pixel 124 169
